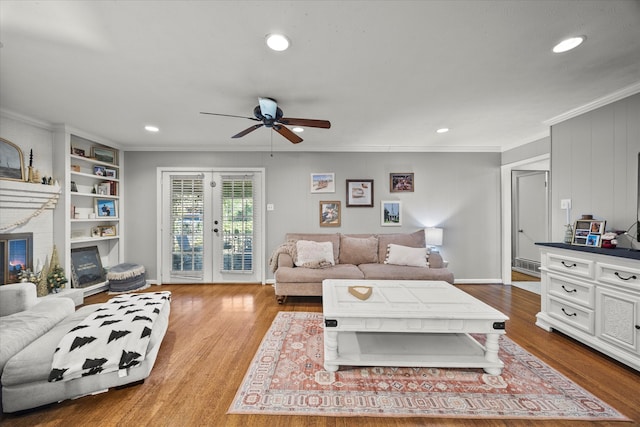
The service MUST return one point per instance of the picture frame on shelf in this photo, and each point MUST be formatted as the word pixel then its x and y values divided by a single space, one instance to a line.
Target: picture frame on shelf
pixel 107 230
pixel 74 187
pixel 106 208
pixel 401 182
pixel 78 152
pixel 104 189
pixel 110 173
pixel 323 182
pixel 587 232
pixel 12 168
pixel 103 154
pixel 86 267
pixel 360 193
pixel 391 213
pixel 99 170
pixel 330 213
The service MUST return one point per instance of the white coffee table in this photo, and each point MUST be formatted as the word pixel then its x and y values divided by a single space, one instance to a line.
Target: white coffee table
pixel 408 323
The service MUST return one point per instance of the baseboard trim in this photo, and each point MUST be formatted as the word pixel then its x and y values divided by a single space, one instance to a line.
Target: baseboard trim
pixel 478 282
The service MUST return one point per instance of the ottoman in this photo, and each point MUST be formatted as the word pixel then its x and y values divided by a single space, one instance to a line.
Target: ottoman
pixel 126 277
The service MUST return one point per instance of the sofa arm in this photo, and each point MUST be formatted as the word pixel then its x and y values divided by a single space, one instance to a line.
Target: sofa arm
pixel 435 260
pixel 17 297
pixel 285 260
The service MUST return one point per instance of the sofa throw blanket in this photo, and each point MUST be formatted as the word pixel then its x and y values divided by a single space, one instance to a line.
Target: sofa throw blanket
pixel 288 247
pixel 114 337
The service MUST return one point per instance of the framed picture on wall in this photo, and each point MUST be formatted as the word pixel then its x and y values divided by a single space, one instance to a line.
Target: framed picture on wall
pixel 588 232
pixel 330 213
pixel 391 213
pixel 400 182
pixel 360 193
pixel 12 167
pixel 323 182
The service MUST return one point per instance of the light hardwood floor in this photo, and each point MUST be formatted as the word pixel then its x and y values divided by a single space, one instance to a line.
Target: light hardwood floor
pixel 215 330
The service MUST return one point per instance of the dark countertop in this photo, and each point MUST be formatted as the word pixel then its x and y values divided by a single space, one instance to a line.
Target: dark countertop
pixel 617 252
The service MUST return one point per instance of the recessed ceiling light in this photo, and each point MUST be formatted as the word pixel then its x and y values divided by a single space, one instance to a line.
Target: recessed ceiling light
pixel 277 42
pixel 297 129
pixel 443 130
pixel 150 128
pixel 568 44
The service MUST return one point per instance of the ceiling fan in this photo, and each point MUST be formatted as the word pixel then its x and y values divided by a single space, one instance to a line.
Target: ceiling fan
pixel 268 112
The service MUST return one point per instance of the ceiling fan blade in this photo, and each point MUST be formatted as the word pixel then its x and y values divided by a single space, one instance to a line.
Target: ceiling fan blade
pixel 230 115
pixel 287 133
pixel 311 123
pixel 246 131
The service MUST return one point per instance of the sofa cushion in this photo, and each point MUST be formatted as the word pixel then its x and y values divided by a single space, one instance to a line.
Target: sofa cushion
pixel 404 255
pixel 358 250
pixel 311 275
pixel 18 330
pixel 334 238
pixel 402 272
pixel 413 240
pixel 310 253
pixel 33 363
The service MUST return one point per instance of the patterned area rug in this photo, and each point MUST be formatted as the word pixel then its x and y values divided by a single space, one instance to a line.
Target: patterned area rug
pixel 287 377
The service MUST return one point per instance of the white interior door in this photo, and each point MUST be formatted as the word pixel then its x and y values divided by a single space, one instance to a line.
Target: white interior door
pixel 531 214
pixel 212 229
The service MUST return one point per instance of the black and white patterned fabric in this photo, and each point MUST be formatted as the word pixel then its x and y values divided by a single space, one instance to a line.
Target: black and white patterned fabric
pixel 115 337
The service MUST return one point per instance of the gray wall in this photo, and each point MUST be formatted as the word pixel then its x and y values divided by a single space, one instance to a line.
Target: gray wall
pixel 527 151
pixel 594 162
pixel 457 191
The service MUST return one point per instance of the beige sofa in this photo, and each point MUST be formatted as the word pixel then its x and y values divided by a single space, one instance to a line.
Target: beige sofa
pixel 356 256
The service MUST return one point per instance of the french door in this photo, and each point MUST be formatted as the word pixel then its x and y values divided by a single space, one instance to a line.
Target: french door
pixel 212 226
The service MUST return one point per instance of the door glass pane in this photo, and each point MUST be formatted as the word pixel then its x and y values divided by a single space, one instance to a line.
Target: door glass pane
pixel 187 231
pixel 237 223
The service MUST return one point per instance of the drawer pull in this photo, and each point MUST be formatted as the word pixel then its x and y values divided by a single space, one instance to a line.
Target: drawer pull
pixel 568 314
pixel 569 290
pixel 569 265
pixel 625 278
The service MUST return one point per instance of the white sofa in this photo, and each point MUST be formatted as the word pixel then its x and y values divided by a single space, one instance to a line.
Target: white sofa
pixel 30 330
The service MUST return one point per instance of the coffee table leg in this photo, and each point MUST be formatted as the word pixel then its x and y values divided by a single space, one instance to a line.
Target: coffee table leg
pixel 491 353
pixel 330 350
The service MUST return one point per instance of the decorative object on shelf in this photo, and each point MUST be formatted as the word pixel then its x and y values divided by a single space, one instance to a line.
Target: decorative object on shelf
pixel 78 151
pixel 107 230
pixel 106 207
pixel 74 187
pixel 588 232
pixel 99 170
pixel 27 275
pixel 86 267
pixel 103 154
pixel 330 213
pixel 391 213
pixel 568 234
pixel 110 173
pixel 400 182
pixel 12 166
pixel 360 193
pixel 609 240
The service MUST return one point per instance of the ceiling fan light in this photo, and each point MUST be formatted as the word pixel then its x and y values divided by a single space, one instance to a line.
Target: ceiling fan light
pixel 568 44
pixel 277 42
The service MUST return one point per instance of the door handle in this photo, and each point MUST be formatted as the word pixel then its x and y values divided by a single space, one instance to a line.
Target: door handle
pixel 215 230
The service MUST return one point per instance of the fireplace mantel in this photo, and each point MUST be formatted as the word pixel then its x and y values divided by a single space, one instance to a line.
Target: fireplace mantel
pixel 25 195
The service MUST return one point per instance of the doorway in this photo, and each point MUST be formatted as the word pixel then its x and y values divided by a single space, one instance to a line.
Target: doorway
pixel 212 226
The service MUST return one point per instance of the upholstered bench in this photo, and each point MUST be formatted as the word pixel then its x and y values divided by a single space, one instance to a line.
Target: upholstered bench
pixel 126 277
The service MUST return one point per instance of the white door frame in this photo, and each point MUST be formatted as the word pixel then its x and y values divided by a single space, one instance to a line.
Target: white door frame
pixel 542 162
pixel 259 260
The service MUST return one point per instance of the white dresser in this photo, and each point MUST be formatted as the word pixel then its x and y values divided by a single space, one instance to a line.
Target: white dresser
pixel 593 295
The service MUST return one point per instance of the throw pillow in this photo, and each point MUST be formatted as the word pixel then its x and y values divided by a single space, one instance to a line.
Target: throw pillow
pixel 310 253
pixel 404 255
pixel 358 250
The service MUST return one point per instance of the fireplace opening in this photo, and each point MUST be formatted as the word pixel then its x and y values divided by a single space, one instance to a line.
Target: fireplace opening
pixel 16 255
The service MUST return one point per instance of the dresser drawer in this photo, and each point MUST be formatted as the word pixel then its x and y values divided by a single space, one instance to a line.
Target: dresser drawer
pixel 572 290
pixel 572 314
pixel 618 275
pixel 574 266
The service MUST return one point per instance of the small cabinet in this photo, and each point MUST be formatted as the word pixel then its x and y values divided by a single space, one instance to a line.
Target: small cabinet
pixel 593 295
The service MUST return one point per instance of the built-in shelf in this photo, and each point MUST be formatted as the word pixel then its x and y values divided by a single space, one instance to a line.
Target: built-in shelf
pixel 93 239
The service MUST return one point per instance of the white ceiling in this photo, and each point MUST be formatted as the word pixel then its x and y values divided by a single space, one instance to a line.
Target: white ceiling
pixel 386 74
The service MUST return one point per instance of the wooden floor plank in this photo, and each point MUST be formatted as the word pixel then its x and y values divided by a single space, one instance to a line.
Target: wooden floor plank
pixel 215 330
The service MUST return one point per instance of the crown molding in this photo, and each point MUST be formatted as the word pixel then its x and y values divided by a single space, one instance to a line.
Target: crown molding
pixel 26 119
pixel 600 102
